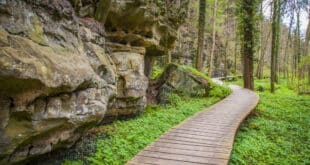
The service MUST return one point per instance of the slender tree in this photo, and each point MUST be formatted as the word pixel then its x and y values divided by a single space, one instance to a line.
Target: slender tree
pixel 261 60
pixel 278 39
pixel 307 39
pixel 201 28
pixel 247 15
pixel 213 38
pixel 274 43
pixel 260 52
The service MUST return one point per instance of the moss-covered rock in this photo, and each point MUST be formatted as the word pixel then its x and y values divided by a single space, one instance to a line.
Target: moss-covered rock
pixel 179 80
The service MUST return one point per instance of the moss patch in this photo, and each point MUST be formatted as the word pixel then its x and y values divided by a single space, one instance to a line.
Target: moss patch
pixel 36 32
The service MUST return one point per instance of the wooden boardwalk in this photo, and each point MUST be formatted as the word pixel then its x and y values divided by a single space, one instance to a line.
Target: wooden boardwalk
pixel 205 138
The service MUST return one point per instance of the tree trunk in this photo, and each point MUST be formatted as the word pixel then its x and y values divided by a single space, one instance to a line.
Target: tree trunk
pixel 278 35
pixel 260 52
pixel 226 41
pixel 288 46
pixel 261 61
pixel 235 47
pixel 213 38
pixel 307 39
pixel 275 43
pixel 247 26
pixel 298 37
pixel 201 27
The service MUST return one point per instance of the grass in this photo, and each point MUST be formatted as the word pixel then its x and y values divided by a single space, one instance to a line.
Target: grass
pixel 127 138
pixel 278 132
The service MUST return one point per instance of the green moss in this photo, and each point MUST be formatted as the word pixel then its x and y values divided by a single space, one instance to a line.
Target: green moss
pixel 36 32
pixel 156 72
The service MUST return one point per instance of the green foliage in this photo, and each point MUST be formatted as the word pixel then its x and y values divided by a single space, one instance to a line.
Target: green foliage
pixel 305 61
pixel 248 23
pixel 174 99
pixel 278 133
pixel 219 91
pixel 127 138
pixel 195 71
pixel 156 72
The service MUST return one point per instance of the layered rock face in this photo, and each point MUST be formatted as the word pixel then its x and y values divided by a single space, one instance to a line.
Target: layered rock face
pixel 68 65
pixel 55 77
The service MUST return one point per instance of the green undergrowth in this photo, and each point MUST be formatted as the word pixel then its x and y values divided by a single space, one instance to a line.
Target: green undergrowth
pixel 156 72
pixel 127 138
pixel 278 130
pixel 122 140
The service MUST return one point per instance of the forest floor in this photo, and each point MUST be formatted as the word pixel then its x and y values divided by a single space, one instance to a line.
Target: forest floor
pixel 277 132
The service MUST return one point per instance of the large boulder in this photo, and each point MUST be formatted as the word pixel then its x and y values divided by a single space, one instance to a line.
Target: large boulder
pixel 181 80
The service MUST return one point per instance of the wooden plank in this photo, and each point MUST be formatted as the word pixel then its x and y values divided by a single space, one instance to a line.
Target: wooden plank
pixel 210 125
pixel 191 147
pixel 200 130
pixel 191 143
pixel 206 154
pixel 160 161
pixel 197 141
pixel 210 134
pixel 176 157
pixel 203 138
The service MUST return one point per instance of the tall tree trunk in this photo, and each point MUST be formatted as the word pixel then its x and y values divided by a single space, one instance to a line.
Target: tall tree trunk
pixel 274 45
pixel 307 39
pixel 288 47
pixel 278 32
pixel 260 52
pixel 247 26
pixel 201 28
pixel 298 36
pixel 236 46
pixel 213 38
pixel 261 61
pixel 227 40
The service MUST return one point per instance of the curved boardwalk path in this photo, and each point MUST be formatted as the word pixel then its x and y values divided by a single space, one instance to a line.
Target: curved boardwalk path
pixel 205 138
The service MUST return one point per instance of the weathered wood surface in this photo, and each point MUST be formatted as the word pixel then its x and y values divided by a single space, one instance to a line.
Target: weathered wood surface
pixel 205 138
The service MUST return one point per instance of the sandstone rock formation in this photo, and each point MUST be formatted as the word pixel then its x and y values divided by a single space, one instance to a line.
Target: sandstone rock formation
pixel 68 65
